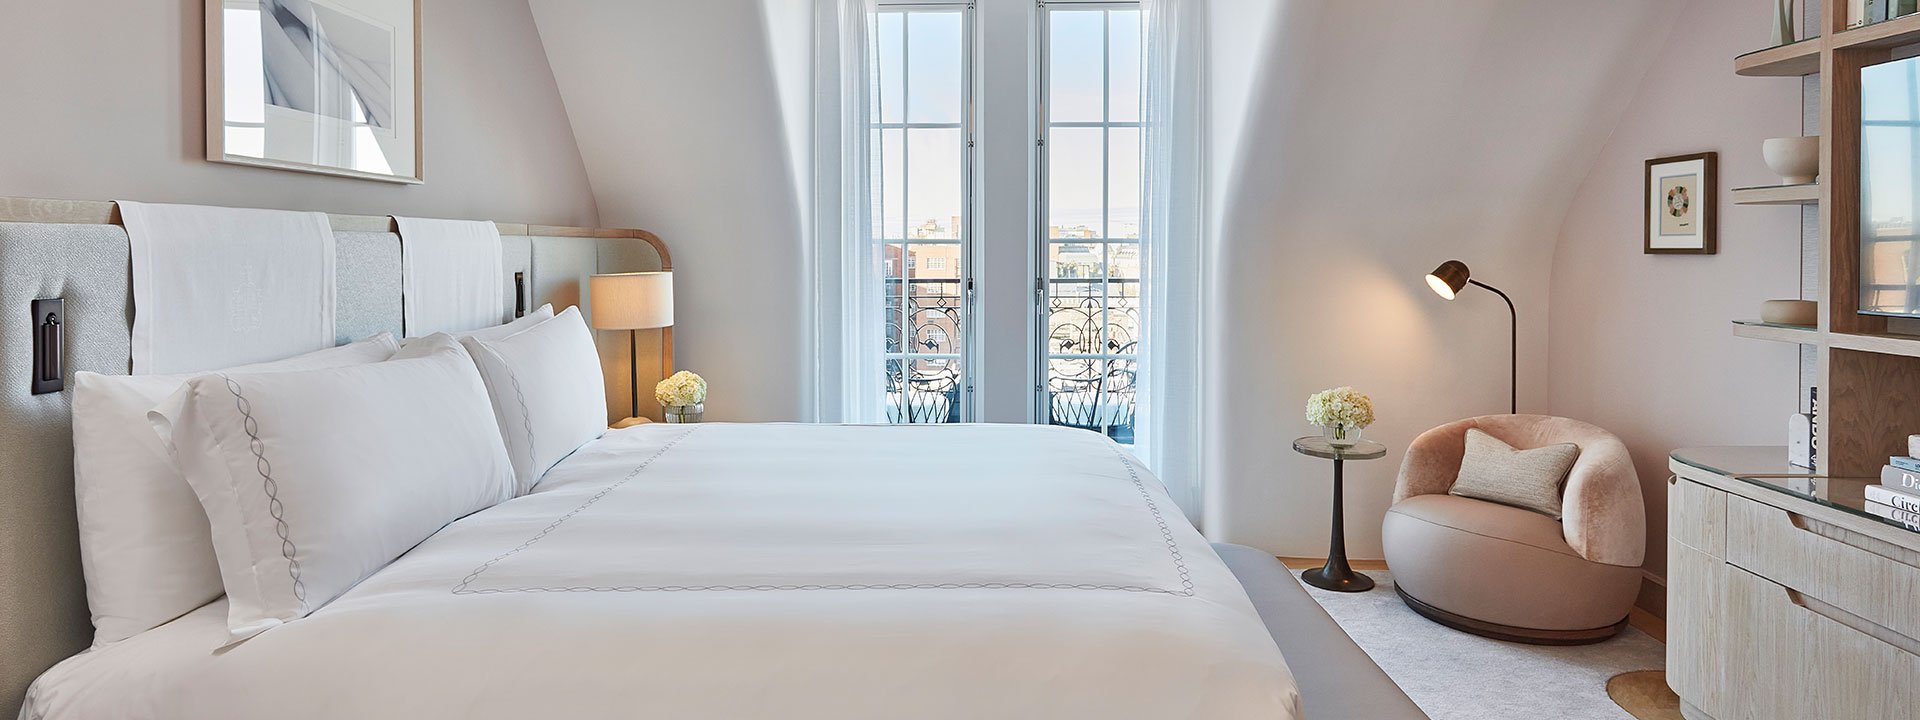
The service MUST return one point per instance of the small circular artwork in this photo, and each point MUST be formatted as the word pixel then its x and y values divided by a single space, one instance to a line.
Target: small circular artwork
pixel 1677 201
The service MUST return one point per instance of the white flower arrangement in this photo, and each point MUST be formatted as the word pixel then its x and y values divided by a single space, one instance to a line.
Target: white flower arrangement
pixel 1341 406
pixel 682 389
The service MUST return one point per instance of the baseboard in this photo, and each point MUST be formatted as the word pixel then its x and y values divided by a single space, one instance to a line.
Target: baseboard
pixel 1649 612
pixel 1653 595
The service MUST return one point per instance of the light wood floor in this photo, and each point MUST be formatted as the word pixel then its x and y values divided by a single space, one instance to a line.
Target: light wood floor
pixel 1647 622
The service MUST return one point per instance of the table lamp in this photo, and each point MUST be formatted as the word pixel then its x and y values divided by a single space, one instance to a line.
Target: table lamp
pixel 1453 276
pixel 632 302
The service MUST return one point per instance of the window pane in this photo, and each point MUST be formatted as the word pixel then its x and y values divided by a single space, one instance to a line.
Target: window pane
pixel 1070 260
pixel 1123 65
pixel 1123 261
pixel 1123 318
pixel 935 318
pixel 892 66
pixel 1123 182
pixel 893 198
pixel 1074 316
pixel 934 79
pixel 1074 183
pixel 1075 54
pixel 935 174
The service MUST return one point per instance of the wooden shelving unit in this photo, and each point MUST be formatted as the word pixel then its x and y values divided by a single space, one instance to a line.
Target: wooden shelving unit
pixel 1869 378
pixel 1808 194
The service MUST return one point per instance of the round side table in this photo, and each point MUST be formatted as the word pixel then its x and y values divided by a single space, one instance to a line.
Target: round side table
pixel 1337 575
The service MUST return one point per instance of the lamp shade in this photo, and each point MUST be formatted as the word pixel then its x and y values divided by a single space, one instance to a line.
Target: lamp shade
pixel 632 301
pixel 1449 278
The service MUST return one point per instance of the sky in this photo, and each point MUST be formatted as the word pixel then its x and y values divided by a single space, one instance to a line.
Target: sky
pixel 931 48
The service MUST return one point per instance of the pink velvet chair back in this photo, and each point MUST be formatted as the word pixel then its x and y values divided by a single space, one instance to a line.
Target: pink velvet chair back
pixel 1602 515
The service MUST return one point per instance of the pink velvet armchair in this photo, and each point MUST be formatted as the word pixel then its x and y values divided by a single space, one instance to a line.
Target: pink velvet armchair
pixel 1514 574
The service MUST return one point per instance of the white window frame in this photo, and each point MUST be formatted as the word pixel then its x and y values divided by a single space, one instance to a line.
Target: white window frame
pixel 969 354
pixel 1042 271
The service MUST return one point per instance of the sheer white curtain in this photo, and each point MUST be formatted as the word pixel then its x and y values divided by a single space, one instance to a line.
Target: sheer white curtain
pixel 848 285
pixel 1173 244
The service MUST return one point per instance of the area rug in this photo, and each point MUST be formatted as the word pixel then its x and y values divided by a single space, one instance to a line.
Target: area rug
pixel 1456 676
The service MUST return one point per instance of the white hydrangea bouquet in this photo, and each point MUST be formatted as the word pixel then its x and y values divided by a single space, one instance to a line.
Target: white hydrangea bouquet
pixel 682 397
pixel 1342 413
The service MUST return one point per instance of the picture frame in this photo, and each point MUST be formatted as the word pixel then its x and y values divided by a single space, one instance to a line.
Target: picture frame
pixel 1681 205
pixel 320 86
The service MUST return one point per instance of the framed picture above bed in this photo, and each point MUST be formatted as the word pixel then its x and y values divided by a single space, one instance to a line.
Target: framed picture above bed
pixel 322 86
pixel 1681 204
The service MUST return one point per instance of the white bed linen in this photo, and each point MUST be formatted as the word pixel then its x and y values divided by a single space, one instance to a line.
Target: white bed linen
pixel 216 287
pixel 452 275
pixel 756 571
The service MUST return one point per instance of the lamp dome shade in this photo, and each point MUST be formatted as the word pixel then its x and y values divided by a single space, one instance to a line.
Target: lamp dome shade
pixel 632 301
pixel 1449 278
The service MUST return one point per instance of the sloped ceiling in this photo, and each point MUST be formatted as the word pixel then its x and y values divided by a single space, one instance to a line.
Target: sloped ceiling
pixel 686 130
pixel 1356 145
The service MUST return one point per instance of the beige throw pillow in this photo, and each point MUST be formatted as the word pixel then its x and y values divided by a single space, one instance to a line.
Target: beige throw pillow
pixel 1493 471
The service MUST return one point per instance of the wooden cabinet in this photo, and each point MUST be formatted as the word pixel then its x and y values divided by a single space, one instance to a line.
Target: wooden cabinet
pixel 1781 607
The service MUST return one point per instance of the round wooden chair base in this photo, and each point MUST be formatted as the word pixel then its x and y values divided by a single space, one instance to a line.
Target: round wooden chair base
pixel 1509 633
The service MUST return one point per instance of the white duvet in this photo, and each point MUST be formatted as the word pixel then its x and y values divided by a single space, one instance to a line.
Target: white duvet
pixel 755 571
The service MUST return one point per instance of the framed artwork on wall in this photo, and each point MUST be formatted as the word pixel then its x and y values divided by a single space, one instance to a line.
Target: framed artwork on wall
pixel 1682 204
pixel 322 86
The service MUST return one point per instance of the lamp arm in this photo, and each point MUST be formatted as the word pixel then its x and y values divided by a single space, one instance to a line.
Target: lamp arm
pixel 1513 347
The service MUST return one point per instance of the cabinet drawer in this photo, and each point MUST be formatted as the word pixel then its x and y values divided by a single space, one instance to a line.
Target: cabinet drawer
pixel 1863 576
pixel 1792 657
pixel 1696 627
pixel 1697 516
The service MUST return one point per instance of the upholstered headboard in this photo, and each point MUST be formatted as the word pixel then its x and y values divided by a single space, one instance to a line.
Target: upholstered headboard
pixel 78 251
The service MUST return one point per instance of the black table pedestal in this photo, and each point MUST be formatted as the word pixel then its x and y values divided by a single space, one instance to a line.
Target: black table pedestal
pixel 1337 575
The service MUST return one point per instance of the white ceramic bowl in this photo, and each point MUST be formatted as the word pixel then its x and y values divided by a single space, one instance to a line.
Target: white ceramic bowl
pixel 1795 159
pixel 1790 312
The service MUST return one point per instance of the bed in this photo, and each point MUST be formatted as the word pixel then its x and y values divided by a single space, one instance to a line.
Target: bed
pixel 720 570
pixel 756 571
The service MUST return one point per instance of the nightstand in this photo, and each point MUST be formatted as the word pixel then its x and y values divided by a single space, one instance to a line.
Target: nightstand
pixel 630 422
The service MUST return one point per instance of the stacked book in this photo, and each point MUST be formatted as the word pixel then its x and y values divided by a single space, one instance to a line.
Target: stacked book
pixel 1897 497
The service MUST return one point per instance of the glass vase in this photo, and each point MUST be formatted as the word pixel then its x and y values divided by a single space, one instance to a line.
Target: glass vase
pixel 681 414
pixel 1340 436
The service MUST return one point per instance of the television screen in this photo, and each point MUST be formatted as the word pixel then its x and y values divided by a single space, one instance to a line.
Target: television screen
pixel 1889 181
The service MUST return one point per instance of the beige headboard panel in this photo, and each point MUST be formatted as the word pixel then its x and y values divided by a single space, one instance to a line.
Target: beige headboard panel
pixel 77 251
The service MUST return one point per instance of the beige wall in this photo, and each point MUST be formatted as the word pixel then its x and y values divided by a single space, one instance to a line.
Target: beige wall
pixel 102 101
pixel 1640 344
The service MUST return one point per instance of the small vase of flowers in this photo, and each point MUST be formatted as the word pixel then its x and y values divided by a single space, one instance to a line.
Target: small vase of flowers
pixel 1341 413
pixel 682 397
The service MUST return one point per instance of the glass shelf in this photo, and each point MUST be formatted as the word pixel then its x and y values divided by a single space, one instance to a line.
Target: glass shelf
pixel 1767 467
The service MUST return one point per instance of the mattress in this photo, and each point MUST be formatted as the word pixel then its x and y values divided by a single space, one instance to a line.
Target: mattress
pixel 753 571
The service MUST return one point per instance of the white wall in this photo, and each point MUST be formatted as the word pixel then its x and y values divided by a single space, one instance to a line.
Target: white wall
pixel 685 131
pixel 1641 343
pixel 103 101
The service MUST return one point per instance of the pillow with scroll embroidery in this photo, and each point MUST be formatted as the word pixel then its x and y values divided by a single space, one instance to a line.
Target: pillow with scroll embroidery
pixel 315 479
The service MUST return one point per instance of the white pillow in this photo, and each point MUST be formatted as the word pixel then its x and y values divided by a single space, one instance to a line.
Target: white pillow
pixel 539 315
pixel 144 547
pixel 548 394
pixel 315 479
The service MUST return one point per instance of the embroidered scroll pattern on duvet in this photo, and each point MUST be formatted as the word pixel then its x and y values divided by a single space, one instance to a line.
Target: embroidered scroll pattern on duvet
pixel 1185 589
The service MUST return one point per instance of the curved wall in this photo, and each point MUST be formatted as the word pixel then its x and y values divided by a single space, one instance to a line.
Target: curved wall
pixel 1641 344
pixel 1373 148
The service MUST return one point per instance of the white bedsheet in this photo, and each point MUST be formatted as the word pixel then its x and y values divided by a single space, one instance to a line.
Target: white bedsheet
pixel 755 571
